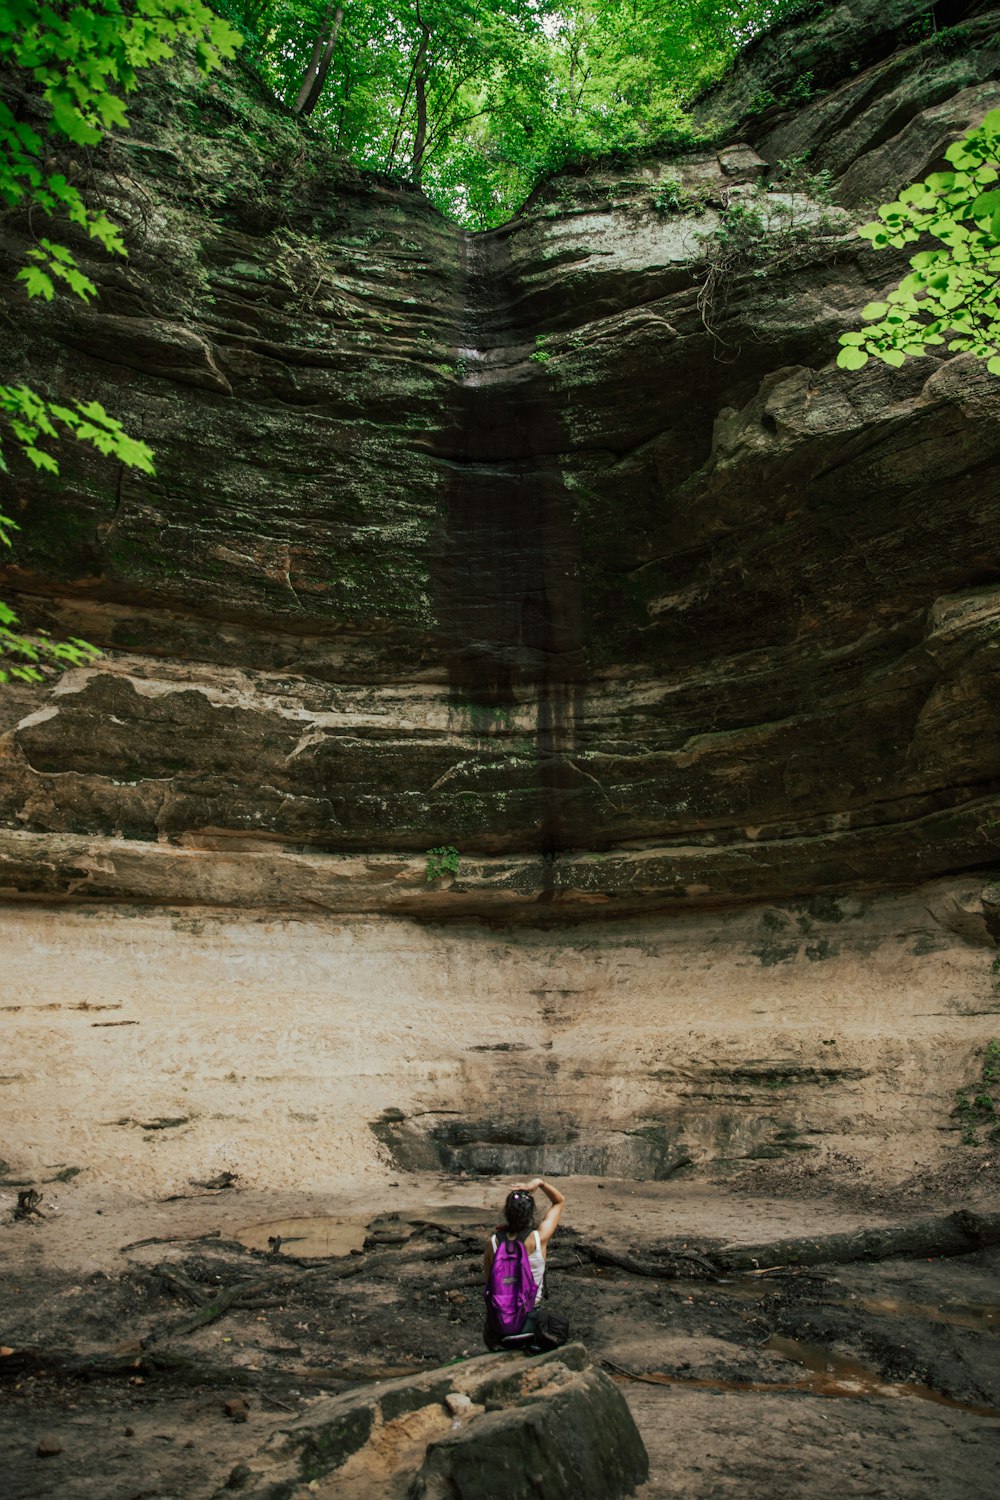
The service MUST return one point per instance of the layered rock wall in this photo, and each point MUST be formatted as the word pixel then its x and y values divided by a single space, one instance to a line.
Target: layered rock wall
pixel 566 545
pixel 538 542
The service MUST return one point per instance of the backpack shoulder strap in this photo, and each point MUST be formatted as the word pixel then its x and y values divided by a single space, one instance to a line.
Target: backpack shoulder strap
pixel 522 1238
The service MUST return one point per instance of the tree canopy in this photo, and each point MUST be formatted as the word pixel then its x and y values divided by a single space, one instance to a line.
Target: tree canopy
pixel 475 100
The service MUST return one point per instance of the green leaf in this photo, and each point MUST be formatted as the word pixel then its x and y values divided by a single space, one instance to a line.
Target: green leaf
pixel 874 310
pixel 135 454
pixel 65 415
pixel 958 155
pixel 852 358
pixel 81 285
pixel 61 189
pixel 68 119
pixel 37 282
pixel 112 111
pixel 95 412
pixel 42 460
pixel 985 205
pixel 101 228
pixel 59 252
pixel 924 259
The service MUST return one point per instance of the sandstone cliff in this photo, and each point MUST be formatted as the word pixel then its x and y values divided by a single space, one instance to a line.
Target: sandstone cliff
pixel 536 542
pixel 566 545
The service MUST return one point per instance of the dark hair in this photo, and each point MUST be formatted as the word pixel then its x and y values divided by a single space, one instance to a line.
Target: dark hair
pixel 518 1212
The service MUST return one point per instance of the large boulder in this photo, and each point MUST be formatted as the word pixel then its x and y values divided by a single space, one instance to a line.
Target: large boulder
pixel 549 1428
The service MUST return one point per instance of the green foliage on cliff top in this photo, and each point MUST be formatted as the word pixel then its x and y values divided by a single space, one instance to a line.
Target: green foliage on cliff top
pixel 952 296
pixel 476 100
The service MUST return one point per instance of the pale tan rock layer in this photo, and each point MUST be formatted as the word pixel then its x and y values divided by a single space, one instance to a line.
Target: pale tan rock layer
pixel 311 1053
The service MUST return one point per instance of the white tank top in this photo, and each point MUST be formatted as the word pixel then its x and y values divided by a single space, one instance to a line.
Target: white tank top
pixel 536 1260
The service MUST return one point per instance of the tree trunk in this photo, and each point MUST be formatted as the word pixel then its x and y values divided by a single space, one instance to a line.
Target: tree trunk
pixel 319 63
pixel 420 90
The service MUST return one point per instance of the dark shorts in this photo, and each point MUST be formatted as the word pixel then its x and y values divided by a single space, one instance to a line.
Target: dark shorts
pixel 523 1340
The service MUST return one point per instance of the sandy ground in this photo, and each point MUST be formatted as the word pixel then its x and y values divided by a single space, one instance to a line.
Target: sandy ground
pixel 86 1227
pixel 853 1381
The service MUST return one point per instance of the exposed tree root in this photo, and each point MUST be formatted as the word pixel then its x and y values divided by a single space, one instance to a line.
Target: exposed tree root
pixel 674 1265
pixel 959 1233
pixel 172 1239
pixel 178 1282
pixel 234 1296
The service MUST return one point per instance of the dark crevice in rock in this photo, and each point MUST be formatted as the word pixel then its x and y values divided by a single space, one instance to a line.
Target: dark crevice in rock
pixel 513 1143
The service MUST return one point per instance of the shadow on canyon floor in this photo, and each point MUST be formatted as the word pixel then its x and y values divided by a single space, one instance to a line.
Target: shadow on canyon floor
pixel 153 1347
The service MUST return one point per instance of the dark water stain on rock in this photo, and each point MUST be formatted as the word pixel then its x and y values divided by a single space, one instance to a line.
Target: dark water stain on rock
pixel 506 573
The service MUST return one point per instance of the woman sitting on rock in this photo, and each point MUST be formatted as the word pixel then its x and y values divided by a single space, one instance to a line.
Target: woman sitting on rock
pixel 514 1264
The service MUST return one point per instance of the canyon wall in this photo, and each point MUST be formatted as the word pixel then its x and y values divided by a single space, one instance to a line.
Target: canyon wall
pixel 566 545
pixel 153 1046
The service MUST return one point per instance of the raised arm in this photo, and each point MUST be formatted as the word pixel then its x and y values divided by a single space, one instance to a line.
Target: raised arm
pixel 549 1224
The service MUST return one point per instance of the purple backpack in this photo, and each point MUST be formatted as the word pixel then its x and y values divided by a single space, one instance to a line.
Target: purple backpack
pixel 511 1288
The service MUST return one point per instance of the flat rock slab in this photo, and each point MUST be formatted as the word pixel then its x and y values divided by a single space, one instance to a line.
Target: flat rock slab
pixel 552 1426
